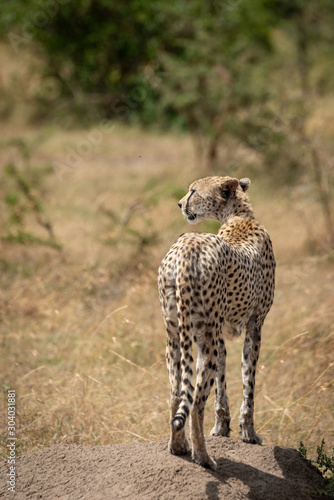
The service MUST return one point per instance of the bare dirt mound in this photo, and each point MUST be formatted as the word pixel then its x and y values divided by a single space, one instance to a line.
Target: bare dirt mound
pixel 148 471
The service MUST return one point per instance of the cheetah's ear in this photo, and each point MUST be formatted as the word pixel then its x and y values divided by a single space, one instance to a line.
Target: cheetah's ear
pixel 244 184
pixel 228 188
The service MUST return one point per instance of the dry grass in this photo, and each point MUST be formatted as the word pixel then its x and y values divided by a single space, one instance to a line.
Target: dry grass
pixel 82 336
pixel 82 339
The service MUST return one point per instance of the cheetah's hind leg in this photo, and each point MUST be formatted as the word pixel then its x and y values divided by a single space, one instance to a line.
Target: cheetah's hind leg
pixel 222 406
pixel 207 357
pixel 178 443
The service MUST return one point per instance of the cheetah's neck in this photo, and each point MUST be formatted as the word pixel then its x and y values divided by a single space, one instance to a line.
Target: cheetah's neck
pixel 238 207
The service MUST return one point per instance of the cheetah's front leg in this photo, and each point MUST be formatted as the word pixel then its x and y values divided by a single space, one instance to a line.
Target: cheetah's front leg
pixel 250 355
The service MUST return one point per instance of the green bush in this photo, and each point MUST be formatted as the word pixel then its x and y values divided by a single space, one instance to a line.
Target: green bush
pixel 325 464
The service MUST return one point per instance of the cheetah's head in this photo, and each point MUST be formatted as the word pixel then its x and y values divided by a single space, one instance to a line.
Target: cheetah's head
pixel 208 198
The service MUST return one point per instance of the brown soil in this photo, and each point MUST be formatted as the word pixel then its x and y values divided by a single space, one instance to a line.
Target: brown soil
pixel 148 471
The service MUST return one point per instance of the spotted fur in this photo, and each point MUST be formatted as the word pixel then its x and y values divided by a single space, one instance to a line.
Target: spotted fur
pixel 213 286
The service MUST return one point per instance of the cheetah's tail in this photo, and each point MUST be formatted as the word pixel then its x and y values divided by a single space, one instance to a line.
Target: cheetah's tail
pixel 186 400
pixel 185 327
pixel 178 422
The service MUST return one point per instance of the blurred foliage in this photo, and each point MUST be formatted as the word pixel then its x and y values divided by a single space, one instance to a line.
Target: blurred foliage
pixel 100 53
pixel 249 71
pixel 132 228
pixel 22 197
pixel 200 65
pixel 147 60
pixel 213 78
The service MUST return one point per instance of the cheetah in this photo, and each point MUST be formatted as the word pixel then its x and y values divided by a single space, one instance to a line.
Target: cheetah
pixel 210 287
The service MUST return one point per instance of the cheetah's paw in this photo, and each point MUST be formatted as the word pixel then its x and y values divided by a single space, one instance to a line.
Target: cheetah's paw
pixel 205 461
pixel 179 448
